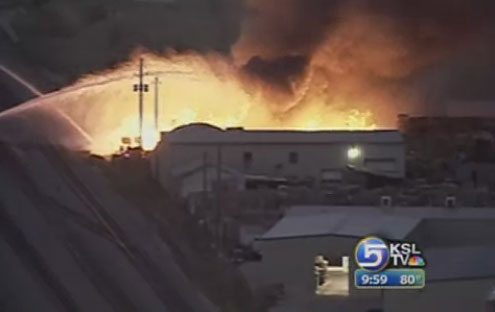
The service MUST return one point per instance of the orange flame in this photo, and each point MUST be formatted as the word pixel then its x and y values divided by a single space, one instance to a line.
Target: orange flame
pixel 194 88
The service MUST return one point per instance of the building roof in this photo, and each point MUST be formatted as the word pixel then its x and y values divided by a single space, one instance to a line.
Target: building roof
pixel 359 221
pixel 459 263
pixel 422 212
pixel 371 173
pixel 342 224
pixel 199 165
pixel 204 133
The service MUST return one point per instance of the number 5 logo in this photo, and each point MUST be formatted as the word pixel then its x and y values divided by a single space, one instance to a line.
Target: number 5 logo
pixel 373 251
pixel 372 254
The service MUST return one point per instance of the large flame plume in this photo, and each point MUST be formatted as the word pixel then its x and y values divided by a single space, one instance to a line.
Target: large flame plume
pixel 192 88
pixel 286 64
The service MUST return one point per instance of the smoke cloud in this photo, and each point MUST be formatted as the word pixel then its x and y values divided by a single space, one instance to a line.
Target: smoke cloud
pixel 373 33
pixel 396 55
pixel 386 56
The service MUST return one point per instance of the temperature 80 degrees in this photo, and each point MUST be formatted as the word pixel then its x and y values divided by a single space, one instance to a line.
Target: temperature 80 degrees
pixel 408 280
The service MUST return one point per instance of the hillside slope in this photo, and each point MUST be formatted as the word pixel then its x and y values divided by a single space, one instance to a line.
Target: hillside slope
pixel 71 242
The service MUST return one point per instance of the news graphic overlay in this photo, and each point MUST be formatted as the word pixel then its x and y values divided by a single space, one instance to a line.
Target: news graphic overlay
pixel 388 265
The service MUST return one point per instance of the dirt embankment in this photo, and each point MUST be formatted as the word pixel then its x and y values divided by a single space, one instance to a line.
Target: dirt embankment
pixel 192 245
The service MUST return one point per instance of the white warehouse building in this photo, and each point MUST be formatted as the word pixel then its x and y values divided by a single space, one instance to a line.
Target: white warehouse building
pixel 318 155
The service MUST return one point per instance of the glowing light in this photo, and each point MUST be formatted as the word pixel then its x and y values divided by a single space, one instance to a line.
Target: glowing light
pixel 353 153
pixel 150 139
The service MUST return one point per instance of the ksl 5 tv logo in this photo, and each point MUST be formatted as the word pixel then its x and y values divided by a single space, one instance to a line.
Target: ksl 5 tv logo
pixel 374 254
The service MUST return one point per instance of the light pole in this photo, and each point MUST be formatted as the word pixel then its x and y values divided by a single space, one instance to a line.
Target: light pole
pixel 141 88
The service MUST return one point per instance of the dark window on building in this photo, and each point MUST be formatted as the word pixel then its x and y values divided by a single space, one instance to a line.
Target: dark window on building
pixel 293 158
pixel 247 159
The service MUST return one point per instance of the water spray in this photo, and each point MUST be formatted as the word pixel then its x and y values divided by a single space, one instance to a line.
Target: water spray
pixel 38 93
pixel 20 80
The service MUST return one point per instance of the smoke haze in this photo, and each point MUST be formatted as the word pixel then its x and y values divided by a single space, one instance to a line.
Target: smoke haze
pixel 385 56
pixel 403 55
pixel 71 38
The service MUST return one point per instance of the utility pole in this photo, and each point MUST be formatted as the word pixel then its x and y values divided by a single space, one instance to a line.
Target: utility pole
pixel 218 208
pixel 141 88
pixel 157 90
pixel 205 180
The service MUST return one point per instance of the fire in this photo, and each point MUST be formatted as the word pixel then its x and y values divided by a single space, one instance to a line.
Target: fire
pixel 195 88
